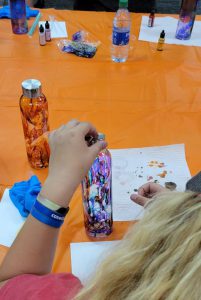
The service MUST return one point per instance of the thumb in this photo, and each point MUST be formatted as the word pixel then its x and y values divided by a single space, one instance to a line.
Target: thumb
pixel 139 199
pixel 98 146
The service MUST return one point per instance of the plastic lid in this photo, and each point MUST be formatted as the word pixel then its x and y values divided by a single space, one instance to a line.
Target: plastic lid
pixel 31 88
pixel 162 35
pixel 123 3
pixel 41 28
pixel 101 136
pixel 47 25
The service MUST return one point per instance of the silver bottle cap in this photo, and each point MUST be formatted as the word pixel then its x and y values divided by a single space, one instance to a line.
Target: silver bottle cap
pixel 31 88
pixel 101 136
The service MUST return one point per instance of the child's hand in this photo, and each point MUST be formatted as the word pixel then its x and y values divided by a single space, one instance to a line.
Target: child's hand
pixel 147 191
pixel 70 160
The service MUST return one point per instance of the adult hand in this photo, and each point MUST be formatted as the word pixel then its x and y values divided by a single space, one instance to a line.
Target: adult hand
pixel 147 191
pixel 70 159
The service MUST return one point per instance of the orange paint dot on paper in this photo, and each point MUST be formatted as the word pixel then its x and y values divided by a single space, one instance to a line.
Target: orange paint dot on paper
pixel 163 174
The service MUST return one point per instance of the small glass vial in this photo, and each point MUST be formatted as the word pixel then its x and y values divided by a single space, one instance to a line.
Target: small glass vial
pixel 97 195
pixel 47 31
pixel 34 113
pixel 42 39
pixel 161 41
pixel 18 16
pixel 151 19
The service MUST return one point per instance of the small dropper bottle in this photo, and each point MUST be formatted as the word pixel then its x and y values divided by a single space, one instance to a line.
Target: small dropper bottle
pixel 161 41
pixel 42 40
pixel 151 18
pixel 47 31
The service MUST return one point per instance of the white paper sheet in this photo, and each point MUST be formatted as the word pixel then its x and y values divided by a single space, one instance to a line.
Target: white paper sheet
pixel 85 257
pixel 58 29
pixel 131 169
pixel 10 220
pixel 169 24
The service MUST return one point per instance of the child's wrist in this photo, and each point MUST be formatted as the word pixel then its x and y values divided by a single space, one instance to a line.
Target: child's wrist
pixel 56 192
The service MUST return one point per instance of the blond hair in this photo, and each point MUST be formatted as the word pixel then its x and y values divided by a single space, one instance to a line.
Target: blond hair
pixel 159 258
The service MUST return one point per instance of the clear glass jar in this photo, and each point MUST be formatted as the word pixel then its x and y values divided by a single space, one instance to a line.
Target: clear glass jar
pixel 97 196
pixel 34 113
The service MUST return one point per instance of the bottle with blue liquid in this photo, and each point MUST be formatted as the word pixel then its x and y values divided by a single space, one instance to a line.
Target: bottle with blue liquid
pixel 186 19
pixel 18 16
pixel 97 195
pixel 121 33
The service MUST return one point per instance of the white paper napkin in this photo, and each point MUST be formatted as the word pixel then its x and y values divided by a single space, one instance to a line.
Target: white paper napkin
pixel 58 29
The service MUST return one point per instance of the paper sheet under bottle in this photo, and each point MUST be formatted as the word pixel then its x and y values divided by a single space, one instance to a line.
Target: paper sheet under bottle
pixel 132 168
pixel 169 24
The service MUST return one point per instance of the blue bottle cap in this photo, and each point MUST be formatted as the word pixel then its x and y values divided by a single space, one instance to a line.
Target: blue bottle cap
pixel 101 136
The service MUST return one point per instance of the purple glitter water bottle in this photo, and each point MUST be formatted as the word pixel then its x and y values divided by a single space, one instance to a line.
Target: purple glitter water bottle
pixel 97 195
pixel 186 19
pixel 18 16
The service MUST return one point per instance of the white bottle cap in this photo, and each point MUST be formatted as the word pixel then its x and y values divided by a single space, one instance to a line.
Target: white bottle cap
pixel 31 88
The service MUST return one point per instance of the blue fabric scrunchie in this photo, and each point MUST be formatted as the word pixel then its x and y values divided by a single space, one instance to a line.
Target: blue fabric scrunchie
pixel 23 194
pixel 5 12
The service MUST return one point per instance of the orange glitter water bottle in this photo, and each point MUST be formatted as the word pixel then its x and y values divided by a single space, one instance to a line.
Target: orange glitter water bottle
pixel 34 113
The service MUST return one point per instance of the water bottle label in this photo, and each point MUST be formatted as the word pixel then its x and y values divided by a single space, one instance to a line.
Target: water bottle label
pixel 120 36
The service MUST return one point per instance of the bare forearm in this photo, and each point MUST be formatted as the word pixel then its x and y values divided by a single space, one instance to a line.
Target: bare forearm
pixel 71 157
pixel 32 252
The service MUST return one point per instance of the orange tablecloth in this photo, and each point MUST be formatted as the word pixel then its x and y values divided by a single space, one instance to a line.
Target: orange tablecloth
pixel 152 99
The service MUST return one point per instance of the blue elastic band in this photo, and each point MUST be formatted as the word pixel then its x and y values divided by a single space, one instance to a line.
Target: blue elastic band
pixel 48 212
pixel 46 219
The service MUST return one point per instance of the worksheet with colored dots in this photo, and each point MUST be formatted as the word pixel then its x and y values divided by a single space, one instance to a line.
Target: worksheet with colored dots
pixel 131 168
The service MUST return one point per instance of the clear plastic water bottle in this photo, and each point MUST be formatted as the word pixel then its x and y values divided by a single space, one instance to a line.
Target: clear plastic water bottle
pixel 121 33
pixel 97 195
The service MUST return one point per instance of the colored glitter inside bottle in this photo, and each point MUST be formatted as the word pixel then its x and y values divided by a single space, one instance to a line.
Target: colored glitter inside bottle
pixel 186 19
pixel 97 196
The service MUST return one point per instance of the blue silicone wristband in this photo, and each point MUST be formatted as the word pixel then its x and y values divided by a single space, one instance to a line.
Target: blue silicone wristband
pixel 48 212
pixel 45 219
